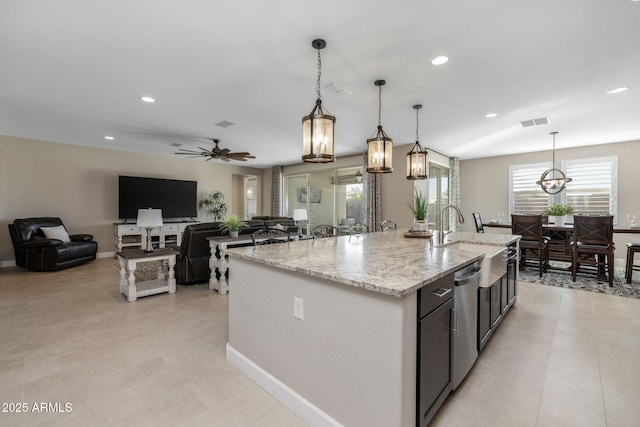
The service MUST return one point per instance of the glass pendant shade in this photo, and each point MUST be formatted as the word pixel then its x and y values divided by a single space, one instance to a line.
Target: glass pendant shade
pixel 417 158
pixel 317 127
pixel 417 163
pixel 379 153
pixel 317 136
pixel 380 147
pixel 553 180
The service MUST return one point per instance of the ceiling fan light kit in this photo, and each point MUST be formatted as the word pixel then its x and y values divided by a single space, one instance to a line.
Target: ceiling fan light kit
pixel 417 158
pixel 380 147
pixel 317 127
pixel 553 180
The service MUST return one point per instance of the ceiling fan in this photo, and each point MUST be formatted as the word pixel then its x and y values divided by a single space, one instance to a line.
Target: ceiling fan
pixel 216 152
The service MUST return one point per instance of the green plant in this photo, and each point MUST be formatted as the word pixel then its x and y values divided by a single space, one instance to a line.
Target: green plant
pixel 558 210
pixel 419 206
pixel 233 223
pixel 215 206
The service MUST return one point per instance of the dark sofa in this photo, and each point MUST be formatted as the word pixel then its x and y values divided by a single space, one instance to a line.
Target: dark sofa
pixel 192 262
pixel 36 252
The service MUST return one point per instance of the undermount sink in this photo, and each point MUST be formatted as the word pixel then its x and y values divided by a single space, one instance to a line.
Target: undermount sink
pixel 494 264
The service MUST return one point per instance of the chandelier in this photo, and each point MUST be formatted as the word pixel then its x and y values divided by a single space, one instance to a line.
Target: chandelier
pixel 553 180
pixel 317 127
pixel 379 147
pixel 417 158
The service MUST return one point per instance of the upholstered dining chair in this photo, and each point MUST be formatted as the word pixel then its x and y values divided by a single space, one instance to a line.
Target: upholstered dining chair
pixel 324 231
pixel 267 236
pixel 592 245
pixel 533 243
pixel 388 225
pixel 478 221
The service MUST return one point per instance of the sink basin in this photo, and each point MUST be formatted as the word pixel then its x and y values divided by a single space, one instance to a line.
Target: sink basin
pixel 494 264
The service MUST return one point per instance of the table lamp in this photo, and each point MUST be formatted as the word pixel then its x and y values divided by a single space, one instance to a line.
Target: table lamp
pixel 299 215
pixel 149 218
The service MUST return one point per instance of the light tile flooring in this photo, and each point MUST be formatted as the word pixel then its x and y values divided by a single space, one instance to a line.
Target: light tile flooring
pixel 561 357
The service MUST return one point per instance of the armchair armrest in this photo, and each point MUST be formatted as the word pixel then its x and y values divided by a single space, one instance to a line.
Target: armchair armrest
pixel 81 237
pixel 39 243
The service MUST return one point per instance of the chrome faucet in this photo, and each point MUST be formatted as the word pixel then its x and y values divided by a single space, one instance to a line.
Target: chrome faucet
pixel 460 219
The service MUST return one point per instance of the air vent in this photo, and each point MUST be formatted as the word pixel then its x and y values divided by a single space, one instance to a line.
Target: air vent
pixel 535 122
pixel 175 144
pixel 225 123
pixel 336 88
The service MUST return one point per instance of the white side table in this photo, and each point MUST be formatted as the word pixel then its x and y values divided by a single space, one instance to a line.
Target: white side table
pixel 128 264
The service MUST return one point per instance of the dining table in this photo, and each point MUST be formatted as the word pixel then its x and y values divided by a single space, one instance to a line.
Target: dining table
pixel 560 237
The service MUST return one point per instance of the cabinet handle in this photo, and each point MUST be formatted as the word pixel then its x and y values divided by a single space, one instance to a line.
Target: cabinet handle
pixel 440 292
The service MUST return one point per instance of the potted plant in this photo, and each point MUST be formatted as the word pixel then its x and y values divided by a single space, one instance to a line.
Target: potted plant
pixel 557 213
pixel 215 206
pixel 233 224
pixel 420 209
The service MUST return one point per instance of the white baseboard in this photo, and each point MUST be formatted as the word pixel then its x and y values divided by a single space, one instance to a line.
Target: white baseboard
pixel 305 410
pixel 7 264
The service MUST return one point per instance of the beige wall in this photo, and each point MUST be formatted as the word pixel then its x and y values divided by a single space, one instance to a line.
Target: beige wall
pixel 485 183
pixel 80 184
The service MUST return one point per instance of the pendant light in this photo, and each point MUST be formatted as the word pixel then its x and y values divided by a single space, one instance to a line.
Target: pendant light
pixel 379 147
pixel 317 127
pixel 417 158
pixel 553 180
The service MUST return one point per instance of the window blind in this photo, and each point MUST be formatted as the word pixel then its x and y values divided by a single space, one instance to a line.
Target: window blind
pixel 526 197
pixel 593 188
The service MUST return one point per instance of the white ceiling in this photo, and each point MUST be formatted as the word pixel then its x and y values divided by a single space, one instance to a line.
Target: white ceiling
pixel 72 71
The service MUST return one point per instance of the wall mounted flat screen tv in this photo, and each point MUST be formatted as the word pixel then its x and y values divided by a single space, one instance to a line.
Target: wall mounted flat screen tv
pixel 176 198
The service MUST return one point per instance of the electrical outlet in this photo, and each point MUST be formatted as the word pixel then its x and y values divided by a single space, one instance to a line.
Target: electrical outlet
pixel 298 308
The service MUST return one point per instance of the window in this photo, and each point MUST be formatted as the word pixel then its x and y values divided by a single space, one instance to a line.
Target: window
pixel 592 191
pixel 525 196
pixel 593 188
pixel 436 187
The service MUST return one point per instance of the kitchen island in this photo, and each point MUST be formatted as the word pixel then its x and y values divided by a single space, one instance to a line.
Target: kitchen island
pixel 329 327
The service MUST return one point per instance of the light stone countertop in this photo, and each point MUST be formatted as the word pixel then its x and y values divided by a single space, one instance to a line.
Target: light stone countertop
pixel 385 262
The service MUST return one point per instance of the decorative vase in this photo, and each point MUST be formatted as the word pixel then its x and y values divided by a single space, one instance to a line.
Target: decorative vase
pixel 234 234
pixel 419 225
pixel 558 220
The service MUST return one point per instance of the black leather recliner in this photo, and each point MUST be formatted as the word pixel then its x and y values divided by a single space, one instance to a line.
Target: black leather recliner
pixel 35 252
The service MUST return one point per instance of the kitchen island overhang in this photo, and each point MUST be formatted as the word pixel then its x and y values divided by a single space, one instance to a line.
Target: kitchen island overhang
pixel 352 359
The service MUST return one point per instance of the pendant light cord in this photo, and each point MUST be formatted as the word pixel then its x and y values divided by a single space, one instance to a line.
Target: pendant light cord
pixel 417 122
pixel 379 106
pixel 319 74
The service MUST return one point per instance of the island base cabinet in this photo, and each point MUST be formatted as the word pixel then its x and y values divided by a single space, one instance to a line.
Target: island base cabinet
pixel 434 361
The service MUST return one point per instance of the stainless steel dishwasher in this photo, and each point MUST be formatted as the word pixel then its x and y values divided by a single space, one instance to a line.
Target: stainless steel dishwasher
pixel 465 321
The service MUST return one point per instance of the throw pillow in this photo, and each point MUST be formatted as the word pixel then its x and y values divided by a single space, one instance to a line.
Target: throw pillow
pixel 58 232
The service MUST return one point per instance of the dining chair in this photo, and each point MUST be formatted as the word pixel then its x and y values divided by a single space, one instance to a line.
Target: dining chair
pixel 632 248
pixel 533 243
pixel 592 245
pixel 267 236
pixel 324 231
pixel 359 229
pixel 388 225
pixel 478 221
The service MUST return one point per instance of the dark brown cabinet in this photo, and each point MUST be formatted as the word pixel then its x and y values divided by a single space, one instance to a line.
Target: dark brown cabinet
pixel 435 346
pixel 496 300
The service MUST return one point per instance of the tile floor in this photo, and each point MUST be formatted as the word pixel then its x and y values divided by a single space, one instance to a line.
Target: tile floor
pixel 561 357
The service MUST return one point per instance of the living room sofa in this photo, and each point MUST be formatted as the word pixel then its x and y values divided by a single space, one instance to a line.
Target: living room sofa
pixel 35 251
pixel 192 262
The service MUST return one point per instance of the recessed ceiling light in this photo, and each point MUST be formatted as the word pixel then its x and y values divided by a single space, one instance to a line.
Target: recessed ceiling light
pixel 439 60
pixel 110 138
pixel 147 99
pixel 617 90
pixel 491 115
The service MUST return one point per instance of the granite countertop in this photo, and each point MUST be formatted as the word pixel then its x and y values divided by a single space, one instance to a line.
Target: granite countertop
pixel 385 262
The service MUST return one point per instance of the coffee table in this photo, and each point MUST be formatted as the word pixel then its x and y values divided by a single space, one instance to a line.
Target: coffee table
pixel 128 264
